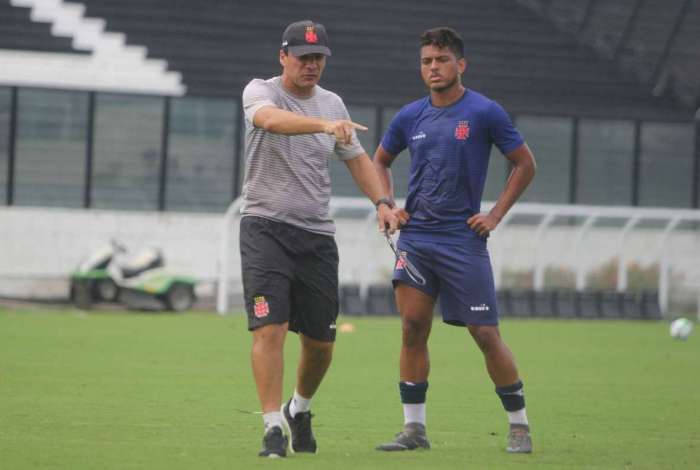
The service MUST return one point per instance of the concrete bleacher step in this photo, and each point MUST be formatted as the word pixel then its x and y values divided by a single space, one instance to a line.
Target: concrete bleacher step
pixel 510 47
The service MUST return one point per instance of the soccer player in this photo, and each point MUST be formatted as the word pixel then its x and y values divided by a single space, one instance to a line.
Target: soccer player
pixel 288 254
pixel 449 135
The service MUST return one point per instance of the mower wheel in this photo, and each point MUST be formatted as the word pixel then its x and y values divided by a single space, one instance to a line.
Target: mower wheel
pixel 107 290
pixel 179 297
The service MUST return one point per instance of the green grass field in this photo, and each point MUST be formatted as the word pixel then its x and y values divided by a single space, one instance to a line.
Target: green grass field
pixel 114 390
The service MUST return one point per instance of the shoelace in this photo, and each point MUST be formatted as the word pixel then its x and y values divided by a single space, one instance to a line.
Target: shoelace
pixel 304 423
pixel 518 438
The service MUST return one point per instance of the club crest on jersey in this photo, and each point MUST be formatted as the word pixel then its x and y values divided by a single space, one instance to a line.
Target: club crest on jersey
pixel 400 263
pixel 462 130
pixel 260 306
pixel 310 35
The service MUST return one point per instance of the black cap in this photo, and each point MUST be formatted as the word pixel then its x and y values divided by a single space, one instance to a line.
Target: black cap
pixel 305 37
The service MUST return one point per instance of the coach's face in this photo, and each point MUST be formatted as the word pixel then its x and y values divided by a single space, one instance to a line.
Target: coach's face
pixel 440 68
pixel 302 73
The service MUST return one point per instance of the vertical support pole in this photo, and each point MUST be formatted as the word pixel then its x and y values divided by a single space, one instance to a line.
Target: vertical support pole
pixel 636 162
pixel 164 139
pixel 621 257
pixel 540 264
pixel 665 265
pixel 581 260
pixel 89 151
pixel 238 153
pixel 573 171
pixel 231 215
pixel 11 148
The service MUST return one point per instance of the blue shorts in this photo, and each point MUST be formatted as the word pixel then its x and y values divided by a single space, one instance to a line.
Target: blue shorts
pixel 459 275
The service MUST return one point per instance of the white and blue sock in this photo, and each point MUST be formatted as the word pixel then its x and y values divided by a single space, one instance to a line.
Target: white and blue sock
pixel 413 400
pixel 299 404
pixel 272 419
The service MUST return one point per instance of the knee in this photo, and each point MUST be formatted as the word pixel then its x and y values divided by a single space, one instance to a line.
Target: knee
pixel 415 332
pixel 486 337
pixel 317 351
pixel 269 337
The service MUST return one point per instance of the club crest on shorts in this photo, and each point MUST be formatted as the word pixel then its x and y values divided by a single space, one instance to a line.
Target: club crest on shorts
pixel 462 130
pixel 400 263
pixel 260 306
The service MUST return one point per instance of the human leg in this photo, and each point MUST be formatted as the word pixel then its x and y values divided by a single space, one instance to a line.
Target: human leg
pixel 266 291
pixel 503 371
pixel 315 305
pixel 468 298
pixel 416 309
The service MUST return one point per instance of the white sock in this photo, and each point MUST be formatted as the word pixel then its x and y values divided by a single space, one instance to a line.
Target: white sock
pixel 272 419
pixel 414 413
pixel 299 404
pixel 517 417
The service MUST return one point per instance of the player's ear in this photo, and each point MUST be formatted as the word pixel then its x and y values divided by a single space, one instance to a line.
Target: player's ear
pixel 283 57
pixel 463 65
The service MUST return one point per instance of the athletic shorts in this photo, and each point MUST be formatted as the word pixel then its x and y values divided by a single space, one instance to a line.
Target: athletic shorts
pixel 289 275
pixel 459 276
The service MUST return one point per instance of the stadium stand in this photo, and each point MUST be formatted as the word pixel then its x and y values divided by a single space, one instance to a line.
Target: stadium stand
pixel 219 46
pixel 655 42
pixel 18 31
pixel 683 64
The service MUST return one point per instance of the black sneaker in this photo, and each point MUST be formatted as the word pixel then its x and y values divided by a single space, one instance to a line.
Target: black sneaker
pixel 301 437
pixel 412 437
pixel 274 443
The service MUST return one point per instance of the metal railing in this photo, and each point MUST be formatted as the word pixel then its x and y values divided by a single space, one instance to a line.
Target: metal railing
pixel 586 219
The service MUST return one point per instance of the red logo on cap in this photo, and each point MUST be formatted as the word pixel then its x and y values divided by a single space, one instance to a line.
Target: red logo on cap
pixel 310 35
pixel 462 130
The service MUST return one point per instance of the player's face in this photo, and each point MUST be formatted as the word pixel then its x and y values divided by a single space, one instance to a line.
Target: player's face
pixel 440 68
pixel 302 73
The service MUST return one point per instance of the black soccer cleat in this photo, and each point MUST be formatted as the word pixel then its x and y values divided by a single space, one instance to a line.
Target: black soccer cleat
pixel 301 437
pixel 412 437
pixel 274 443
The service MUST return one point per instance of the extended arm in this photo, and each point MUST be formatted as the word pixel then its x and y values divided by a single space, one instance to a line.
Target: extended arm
pixel 280 121
pixel 523 172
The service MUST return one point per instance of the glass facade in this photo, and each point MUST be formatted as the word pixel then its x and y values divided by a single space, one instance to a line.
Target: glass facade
pixel 549 138
pixel 666 164
pixel 341 180
pixel 50 148
pixel 200 163
pixel 186 154
pixel 402 163
pixel 605 162
pixel 127 152
pixel 499 167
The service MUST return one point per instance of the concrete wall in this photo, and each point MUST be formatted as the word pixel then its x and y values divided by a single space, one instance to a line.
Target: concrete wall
pixel 38 244
pixel 39 247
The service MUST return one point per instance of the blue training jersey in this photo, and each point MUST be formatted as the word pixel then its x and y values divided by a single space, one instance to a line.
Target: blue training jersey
pixel 450 150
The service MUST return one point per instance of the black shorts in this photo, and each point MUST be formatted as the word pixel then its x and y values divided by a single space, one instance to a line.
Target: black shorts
pixel 289 275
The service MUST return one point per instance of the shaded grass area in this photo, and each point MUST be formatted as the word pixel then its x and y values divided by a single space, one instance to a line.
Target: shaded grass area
pixel 125 390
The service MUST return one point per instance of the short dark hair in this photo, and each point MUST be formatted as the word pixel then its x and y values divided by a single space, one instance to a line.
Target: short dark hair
pixel 443 37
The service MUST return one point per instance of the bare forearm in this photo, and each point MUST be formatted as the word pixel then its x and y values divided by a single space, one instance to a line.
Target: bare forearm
pixel 385 178
pixel 519 179
pixel 382 167
pixel 366 177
